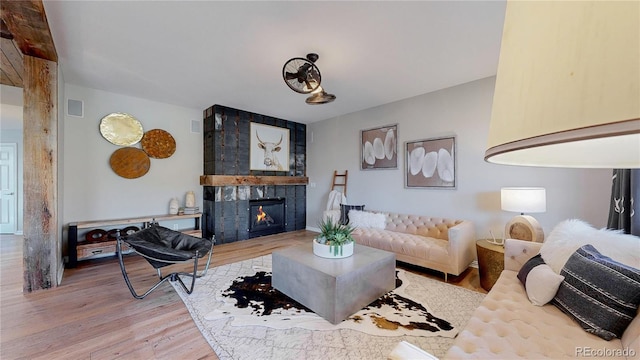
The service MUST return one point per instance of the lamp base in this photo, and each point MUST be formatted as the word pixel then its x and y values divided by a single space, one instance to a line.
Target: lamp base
pixel 524 227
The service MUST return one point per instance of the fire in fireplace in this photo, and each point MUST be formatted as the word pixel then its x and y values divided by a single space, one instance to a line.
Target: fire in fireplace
pixel 266 216
pixel 263 218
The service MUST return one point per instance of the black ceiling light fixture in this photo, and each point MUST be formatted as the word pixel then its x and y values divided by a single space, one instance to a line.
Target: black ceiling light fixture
pixel 303 76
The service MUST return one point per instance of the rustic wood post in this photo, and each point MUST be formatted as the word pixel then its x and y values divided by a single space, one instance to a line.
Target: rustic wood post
pixel 41 238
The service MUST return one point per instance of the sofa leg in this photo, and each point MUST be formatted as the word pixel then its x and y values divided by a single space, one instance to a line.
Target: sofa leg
pixel 445 277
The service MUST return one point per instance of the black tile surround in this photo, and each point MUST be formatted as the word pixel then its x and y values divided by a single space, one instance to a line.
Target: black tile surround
pixel 226 152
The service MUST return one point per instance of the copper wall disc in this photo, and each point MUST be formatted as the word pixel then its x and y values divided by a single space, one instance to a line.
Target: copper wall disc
pixel 158 144
pixel 130 162
pixel 121 129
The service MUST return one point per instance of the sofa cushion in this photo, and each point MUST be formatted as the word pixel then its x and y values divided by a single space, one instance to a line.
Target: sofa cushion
pixel 601 294
pixel 420 225
pixel 411 245
pixel 539 280
pixel 344 212
pixel 569 235
pixel 367 219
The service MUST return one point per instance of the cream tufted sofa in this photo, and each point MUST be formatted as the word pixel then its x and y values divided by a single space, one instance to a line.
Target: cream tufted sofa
pixel 435 243
pixel 508 326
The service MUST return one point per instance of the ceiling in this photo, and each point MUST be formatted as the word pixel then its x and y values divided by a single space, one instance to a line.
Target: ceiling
pixel 199 53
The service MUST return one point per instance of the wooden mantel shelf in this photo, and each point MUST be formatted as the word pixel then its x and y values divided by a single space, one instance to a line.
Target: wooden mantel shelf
pixel 235 180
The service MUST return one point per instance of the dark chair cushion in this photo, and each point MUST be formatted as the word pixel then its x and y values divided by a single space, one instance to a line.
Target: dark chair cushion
pixel 167 245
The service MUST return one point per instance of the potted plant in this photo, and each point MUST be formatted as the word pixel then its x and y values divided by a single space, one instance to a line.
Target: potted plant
pixel 335 240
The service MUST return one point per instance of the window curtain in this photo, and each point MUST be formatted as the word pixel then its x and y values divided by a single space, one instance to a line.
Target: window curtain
pixel 625 190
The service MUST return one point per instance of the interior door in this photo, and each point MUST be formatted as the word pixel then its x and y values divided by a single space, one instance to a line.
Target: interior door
pixel 8 187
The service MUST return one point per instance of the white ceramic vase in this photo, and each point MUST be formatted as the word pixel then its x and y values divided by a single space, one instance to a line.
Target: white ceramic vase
pixel 333 251
pixel 173 206
pixel 190 199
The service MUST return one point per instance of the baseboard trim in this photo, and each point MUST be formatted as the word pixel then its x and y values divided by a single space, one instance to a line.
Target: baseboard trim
pixel 19 232
pixel 313 228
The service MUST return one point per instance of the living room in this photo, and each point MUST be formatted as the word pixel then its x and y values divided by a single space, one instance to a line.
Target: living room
pixel 90 190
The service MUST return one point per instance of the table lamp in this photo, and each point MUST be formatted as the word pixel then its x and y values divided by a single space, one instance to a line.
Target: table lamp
pixel 524 200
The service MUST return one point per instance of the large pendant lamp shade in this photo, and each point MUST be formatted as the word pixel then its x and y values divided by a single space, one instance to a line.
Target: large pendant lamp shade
pixel 568 85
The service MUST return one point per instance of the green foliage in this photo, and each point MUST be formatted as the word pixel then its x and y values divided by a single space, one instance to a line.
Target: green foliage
pixel 334 233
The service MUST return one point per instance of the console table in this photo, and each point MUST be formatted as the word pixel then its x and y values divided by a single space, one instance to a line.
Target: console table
pixel 83 250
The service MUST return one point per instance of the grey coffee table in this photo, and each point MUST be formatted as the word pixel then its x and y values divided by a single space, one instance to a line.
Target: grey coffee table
pixel 333 288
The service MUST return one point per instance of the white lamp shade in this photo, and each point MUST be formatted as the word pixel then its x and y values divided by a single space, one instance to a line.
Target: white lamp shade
pixel 567 89
pixel 524 199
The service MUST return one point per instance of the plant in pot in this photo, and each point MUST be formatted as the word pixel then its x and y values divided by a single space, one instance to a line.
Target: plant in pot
pixel 334 241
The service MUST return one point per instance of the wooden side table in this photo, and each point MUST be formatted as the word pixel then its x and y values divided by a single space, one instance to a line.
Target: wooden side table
pixel 490 262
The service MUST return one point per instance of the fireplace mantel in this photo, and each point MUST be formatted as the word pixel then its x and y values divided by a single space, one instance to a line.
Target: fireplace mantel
pixel 236 180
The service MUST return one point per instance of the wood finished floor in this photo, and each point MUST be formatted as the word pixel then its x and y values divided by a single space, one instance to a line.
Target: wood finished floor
pixel 92 315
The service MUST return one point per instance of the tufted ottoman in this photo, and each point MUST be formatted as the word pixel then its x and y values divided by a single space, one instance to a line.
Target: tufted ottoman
pixel 441 244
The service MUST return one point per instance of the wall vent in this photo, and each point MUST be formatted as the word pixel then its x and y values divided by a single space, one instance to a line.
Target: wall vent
pixel 195 126
pixel 75 108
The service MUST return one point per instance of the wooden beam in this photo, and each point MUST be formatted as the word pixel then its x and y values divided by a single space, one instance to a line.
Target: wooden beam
pixel 42 250
pixel 12 63
pixel 235 180
pixel 27 22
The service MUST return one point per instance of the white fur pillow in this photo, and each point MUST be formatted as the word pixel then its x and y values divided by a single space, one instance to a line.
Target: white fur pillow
pixel 570 235
pixel 366 219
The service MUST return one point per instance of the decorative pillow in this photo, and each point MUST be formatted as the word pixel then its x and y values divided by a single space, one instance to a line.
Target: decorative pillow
pixel 344 212
pixel 539 280
pixel 366 219
pixel 601 294
pixel 569 235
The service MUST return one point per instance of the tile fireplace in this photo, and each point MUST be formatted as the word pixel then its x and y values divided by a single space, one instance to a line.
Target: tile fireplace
pixel 228 211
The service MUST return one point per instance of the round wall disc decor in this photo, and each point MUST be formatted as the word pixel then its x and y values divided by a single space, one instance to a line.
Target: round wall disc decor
pixel 121 129
pixel 158 144
pixel 130 162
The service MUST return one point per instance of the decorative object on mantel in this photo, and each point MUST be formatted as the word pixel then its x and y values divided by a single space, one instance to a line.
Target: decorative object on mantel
pixel 570 97
pixel 303 76
pixel 379 148
pixel 129 162
pixel 173 206
pixel 431 163
pixel 121 129
pixel 524 199
pixel 158 144
pixel 190 199
pixel 335 240
pixel 269 148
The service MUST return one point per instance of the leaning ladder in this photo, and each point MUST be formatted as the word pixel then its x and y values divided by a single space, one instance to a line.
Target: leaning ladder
pixel 342 178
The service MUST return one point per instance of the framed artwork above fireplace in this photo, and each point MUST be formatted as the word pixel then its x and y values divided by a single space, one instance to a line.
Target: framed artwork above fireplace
pixel 269 148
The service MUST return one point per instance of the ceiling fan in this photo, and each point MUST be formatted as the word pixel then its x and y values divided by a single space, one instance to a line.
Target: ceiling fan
pixel 303 76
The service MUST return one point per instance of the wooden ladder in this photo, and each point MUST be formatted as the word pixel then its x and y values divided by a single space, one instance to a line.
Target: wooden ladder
pixel 343 182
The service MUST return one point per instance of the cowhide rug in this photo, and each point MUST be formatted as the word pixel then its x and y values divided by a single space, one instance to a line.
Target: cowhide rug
pixel 235 304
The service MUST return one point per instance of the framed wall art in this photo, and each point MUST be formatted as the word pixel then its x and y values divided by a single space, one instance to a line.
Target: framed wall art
pixel 269 148
pixel 379 148
pixel 431 163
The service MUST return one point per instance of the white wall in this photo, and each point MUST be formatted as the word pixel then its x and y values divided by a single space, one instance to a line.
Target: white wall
pixel 92 191
pixel 462 110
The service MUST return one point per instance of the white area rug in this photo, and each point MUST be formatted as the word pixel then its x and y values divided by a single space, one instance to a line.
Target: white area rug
pixel 246 333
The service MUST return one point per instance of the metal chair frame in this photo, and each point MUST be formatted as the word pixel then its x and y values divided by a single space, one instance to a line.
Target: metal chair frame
pixel 171 277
